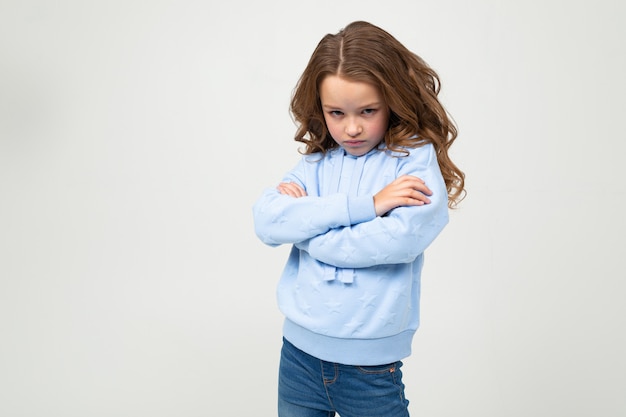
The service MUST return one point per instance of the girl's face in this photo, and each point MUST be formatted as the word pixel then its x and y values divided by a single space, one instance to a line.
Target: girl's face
pixel 355 113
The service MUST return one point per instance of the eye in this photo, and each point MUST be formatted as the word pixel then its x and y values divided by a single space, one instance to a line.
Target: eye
pixel 335 113
pixel 369 111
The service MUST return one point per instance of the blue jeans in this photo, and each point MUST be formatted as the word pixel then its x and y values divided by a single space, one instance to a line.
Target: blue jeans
pixel 309 387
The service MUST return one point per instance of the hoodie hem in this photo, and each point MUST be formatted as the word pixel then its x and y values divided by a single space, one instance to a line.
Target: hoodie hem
pixel 363 352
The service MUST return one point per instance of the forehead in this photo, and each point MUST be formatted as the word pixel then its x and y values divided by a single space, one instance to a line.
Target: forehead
pixel 335 90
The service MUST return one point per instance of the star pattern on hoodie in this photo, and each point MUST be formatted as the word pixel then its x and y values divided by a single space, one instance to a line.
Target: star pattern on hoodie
pixel 334 307
pixel 380 257
pixel 348 250
pixel 392 233
pixel 388 318
pixel 316 285
pixel 367 300
pixel 306 225
pixel 281 219
pixel 306 308
pixel 353 325
pixel 399 293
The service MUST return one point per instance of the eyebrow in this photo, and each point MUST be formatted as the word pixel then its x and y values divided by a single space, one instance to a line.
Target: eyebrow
pixel 367 106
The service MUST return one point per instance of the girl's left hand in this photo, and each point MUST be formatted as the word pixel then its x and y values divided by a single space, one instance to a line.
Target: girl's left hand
pixel 406 190
pixel 291 189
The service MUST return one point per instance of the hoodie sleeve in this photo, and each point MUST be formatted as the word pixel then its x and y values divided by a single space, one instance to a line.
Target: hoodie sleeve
pixel 398 237
pixel 280 219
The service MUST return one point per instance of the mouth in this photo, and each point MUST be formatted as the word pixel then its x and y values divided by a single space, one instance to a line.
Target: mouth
pixel 354 142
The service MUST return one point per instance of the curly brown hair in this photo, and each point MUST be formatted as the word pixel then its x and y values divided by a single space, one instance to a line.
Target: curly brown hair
pixel 364 52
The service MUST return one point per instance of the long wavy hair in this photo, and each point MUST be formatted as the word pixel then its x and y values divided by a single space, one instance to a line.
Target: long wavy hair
pixel 366 53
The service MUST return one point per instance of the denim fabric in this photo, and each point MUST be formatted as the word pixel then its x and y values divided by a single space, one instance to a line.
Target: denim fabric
pixel 309 387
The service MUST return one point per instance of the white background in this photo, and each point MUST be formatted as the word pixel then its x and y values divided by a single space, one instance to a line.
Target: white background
pixel 136 135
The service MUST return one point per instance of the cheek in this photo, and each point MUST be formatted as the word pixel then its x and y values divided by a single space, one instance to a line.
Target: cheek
pixel 334 129
pixel 380 128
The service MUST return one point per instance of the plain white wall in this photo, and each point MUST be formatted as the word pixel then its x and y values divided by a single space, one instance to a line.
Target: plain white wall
pixel 136 135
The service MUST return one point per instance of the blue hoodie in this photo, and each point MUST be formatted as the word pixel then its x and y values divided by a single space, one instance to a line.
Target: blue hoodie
pixel 351 287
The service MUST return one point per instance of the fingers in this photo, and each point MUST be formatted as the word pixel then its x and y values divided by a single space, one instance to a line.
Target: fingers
pixel 411 190
pixel 291 189
pixel 404 191
pixel 418 198
pixel 414 183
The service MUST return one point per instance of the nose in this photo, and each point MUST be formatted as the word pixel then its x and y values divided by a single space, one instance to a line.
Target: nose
pixel 353 128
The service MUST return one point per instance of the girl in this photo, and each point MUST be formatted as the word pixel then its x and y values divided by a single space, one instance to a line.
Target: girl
pixel 369 195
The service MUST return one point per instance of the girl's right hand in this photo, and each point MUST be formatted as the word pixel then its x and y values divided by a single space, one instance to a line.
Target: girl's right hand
pixel 405 190
pixel 291 189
